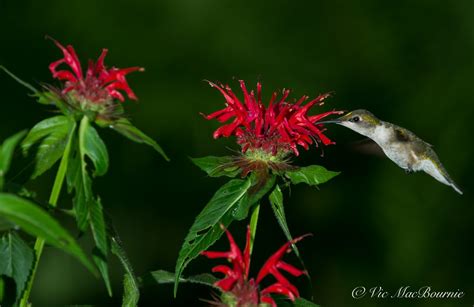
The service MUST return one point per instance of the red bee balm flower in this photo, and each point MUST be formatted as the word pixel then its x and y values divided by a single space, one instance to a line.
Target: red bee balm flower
pixel 276 129
pixel 242 291
pixel 99 85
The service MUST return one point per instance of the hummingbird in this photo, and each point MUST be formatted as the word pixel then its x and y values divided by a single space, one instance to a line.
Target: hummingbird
pixel 399 144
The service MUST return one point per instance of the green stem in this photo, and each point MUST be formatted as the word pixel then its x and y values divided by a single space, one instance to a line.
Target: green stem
pixel 53 200
pixel 253 225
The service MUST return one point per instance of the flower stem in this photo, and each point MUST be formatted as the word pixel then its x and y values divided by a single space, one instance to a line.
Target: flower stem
pixel 53 200
pixel 253 225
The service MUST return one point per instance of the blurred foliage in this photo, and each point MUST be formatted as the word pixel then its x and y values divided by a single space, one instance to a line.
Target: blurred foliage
pixel 409 62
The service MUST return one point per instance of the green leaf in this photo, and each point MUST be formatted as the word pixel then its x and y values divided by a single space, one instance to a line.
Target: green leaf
pixel 39 223
pixel 81 187
pixel 217 166
pixel 2 289
pixel 125 127
pixel 312 175
pixel 301 302
pixel 6 154
pixel 131 293
pixel 206 228
pixel 165 277
pixel 276 200
pixel 92 146
pixel 101 249
pixel 54 133
pixel 260 186
pixel 16 261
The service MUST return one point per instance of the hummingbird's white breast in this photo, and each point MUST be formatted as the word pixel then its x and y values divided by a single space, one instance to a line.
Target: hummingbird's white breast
pixel 398 152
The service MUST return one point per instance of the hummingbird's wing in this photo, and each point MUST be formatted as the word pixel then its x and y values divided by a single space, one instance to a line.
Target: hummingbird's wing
pixel 366 147
pixel 404 135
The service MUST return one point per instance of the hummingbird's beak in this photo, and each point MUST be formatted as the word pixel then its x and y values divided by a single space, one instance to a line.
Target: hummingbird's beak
pixel 333 121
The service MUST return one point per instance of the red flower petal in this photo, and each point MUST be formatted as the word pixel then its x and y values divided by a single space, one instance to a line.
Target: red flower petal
pixel 99 83
pixel 278 289
pixel 274 260
pixel 280 126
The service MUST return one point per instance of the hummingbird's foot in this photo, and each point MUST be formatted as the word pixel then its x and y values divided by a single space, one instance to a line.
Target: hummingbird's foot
pixel 409 171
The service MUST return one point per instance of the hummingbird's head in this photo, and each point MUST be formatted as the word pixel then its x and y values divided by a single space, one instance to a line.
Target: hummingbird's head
pixel 361 121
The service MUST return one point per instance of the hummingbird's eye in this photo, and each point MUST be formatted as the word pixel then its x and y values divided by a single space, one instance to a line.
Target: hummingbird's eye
pixel 355 119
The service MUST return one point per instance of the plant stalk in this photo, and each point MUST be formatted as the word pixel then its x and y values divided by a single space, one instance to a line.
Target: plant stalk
pixel 53 201
pixel 253 225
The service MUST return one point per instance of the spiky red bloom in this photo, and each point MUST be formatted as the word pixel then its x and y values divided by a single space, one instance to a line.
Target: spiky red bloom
pixel 246 291
pixel 280 127
pixel 99 83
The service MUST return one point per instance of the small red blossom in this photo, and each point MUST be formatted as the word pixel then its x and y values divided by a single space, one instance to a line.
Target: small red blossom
pixel 246 291
pixel 281 126
pixel 99 83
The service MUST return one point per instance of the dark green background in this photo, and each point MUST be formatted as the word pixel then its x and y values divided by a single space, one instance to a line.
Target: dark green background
pixel 409 62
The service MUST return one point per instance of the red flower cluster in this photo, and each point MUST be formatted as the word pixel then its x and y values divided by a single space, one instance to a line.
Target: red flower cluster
pixel 246 291
pixel 99 84
pixel 282 126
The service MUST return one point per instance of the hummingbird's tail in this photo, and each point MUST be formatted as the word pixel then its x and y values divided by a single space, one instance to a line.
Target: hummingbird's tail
pixel 433 167
pixel 455 187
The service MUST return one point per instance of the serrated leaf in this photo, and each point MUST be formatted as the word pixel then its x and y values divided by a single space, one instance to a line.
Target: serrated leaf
pixel 6 154
pixel 81 187
pixel 312 175
pixel 276 201
pixel 217 166
pixel 101 250
pixel 39 223
pixel 165 277
pixel 301 302
pixel 92 146
pixel 16 261
pixel 125 127
pixel 260 186
pixel 52 134
pixel 131 293
pixel 206 227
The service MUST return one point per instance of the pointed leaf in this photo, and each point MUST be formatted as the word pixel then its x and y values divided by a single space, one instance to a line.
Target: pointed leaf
pixel 276 200
pixel 92 146
pixel 283 301
pixel 53 133
pixel 165 277
pixel 259 188
pixel 301 302
pixel 125 127
pixel 131 293
pixel 101 250
pixel 6 154
pixel 312 175
pixel 206 228
pixel 39 223
pixel 81 187
pixel 217 166
pixel 16 261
